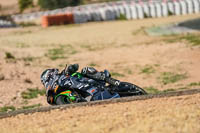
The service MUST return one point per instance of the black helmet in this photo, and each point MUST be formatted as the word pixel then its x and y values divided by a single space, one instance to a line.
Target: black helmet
pixel 47 74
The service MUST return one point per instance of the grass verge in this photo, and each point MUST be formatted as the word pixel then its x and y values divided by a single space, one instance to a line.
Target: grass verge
pixel 7 108
pixel 169 77
pixel 148 69
pixel 116 74
pixel 191 38
pixel 32 93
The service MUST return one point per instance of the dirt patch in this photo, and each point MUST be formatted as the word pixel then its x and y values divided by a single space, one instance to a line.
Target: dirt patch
pixel 176 114
pixel 122 47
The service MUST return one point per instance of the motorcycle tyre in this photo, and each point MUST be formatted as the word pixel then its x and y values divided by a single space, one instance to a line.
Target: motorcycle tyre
pixel 60 100
pixel 131 92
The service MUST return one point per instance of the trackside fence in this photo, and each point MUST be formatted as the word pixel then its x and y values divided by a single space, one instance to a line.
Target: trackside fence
pixel 132 9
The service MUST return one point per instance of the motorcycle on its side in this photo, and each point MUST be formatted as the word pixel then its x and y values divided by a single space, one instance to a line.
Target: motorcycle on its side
pixel 85 90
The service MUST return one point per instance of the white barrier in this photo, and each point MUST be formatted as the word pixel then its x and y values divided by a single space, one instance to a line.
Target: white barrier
pixel 189 6
pixel 109 13
pixel 100 15
pixel 112 11
pixel 80 17
pixel 183 7
pixel 158 10
pixel 84 17
pixel 164 9
pixel 139 11
pixel 146 10
pixel 88 15
pixel 152 10
pixel 76 17
pixel 97 14
pixel 121 9
pixel 177 8
pixel 170 7
pixel 127 12
pixel 133 11
pixel 196 6
pixel 6 24
pixel 116 11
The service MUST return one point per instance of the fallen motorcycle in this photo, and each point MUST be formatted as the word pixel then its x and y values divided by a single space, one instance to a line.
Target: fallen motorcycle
pixel 85 90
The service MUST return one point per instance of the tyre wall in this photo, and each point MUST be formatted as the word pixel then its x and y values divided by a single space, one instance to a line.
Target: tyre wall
pixel 6 24
pixel 137 9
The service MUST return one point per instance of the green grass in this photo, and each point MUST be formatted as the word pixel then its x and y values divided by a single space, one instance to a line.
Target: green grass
pixel 27 24
pixel 151 90
pixel 8 55
pixel 175 89
pixel 12 108
pixel 95 47
pixel 60 52
pixel 122 17
pixel 56 53
pixel 194 84
pixel 89 47
pixel 169 90
pixel 182 88
pixel 7 108
pixel 169 77
pixel 28 59
pixel 139 31
pixel 116 74
pixel 22 45
pixel 171 38
pixel 92 64
pixel 193 39
pixel 128 71
pixel 148 69
pixel 32 93
pixel 31 106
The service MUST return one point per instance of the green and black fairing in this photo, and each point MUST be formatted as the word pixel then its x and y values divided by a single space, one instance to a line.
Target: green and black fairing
pixel 67 97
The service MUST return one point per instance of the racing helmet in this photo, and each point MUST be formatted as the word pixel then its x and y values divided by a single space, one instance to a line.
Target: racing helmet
pixel 47 75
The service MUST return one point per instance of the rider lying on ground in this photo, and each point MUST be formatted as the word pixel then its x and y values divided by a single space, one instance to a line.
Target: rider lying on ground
pixel 54 81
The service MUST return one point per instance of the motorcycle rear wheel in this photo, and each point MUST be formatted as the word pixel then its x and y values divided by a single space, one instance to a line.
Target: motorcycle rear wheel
pixel 129 89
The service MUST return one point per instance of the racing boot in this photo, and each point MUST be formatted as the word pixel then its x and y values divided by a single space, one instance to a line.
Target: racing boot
pixel 104 76
pixel 110 80
pixel 94 74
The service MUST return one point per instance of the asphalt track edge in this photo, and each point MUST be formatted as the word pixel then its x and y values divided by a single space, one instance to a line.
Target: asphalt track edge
pixel 117 100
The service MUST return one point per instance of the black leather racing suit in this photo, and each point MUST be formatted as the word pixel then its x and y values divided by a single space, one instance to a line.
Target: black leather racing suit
pixel 60 81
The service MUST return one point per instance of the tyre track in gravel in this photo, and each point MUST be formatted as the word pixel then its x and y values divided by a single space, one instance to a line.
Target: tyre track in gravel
pixel 119 100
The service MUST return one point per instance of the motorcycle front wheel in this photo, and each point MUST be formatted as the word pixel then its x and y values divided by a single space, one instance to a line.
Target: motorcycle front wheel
pixel 60 100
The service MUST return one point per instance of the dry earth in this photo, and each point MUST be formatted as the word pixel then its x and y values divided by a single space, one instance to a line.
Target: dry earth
pixel 123 48
pixel 163 115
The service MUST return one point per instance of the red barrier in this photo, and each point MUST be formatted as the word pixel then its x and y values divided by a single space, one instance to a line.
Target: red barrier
pixel 57 19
